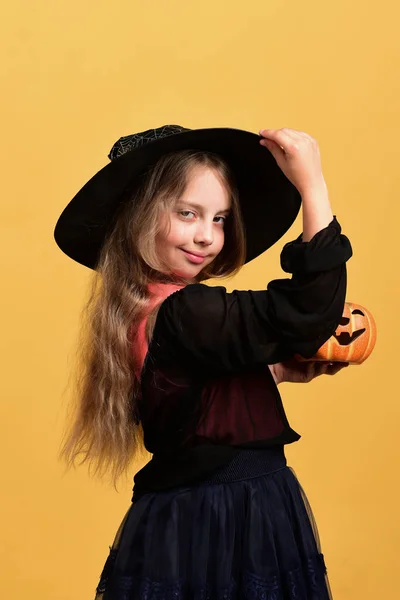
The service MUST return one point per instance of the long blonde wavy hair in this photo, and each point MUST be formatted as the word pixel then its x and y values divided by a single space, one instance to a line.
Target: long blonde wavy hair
pixel 103 428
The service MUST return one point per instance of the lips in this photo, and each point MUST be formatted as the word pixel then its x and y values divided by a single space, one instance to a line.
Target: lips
pixel 195 253
pixel 195 258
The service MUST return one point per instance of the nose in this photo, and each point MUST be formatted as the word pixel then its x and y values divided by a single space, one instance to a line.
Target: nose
pixel 204 233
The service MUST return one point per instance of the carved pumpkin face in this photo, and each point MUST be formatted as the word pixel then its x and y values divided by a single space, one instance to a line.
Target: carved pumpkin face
pixel 353 340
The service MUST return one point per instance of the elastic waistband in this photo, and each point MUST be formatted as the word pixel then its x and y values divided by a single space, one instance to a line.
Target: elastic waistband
pixel 207 464
pixel 248 464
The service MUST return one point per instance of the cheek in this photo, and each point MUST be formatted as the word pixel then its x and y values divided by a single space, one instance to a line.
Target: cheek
pixel 177 233
pixel 169 235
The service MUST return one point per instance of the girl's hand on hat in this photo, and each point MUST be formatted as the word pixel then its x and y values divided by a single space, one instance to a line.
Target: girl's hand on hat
pixel 293 371
pixel 297 155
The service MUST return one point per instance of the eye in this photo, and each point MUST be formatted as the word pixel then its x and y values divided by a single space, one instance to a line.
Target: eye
pixel 186 212
pixel 223 219
pixel 357 312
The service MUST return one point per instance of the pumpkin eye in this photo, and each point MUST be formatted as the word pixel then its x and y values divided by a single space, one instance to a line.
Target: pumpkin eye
pixel 357 312
pixel 344 321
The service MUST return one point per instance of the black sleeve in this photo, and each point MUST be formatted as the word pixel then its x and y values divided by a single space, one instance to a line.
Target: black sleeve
pixel 208 328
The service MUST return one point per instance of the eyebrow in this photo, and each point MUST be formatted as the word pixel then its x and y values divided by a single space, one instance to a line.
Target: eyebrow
pixel 193 205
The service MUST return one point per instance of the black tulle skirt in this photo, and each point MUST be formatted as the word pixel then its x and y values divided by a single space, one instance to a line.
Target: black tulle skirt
pixel 246 533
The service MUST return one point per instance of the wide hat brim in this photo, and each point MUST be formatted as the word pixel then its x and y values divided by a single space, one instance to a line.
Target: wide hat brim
pixel 269 201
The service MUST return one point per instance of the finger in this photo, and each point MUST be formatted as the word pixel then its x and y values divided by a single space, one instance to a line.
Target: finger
pixel 313 369
pixel 287 143
pixel 320 368
pixel 272 145
pixel 334 368
pixel 296 134
pixel 276 150
pixel 282 134
pixel 326 368
pixel 286 130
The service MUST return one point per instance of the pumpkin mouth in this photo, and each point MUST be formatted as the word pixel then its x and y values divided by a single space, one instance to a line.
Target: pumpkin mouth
pixel 344 338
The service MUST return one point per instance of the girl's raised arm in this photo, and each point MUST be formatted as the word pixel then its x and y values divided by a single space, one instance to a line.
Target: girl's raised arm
pixel 208 329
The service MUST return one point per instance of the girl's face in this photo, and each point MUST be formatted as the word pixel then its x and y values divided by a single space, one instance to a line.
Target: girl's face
pixel 197 219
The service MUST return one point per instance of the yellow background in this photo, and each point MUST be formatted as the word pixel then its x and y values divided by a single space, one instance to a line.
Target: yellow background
pixel 79 74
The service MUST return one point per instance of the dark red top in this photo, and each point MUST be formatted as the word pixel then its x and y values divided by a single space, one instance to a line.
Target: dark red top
pixel 207 391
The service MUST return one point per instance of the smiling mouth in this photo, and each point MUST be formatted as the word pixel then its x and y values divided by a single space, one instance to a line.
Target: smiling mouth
pixel 198 255
pixel 193 257
pixel 345 338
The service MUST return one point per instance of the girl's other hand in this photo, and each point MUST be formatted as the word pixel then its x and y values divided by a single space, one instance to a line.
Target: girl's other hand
pixel 297 155
pixel 294 371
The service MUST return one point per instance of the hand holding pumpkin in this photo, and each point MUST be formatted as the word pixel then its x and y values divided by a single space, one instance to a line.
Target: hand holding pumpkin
pixel 293 371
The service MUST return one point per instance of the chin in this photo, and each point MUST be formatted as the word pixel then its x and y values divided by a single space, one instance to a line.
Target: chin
pixel 187 274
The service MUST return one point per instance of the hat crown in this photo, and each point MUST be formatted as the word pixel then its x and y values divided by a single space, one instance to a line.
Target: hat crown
pixel 136 140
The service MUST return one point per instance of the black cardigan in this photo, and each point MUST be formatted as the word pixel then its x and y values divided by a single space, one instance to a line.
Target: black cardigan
pixel 206 389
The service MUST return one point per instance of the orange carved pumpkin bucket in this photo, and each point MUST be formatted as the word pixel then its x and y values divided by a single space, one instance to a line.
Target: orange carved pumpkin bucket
pixel 353 340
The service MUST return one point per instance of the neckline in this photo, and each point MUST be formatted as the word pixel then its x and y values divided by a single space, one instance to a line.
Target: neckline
pixel 160 291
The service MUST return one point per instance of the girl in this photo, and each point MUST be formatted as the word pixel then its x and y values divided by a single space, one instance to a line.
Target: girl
pixel 191 371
